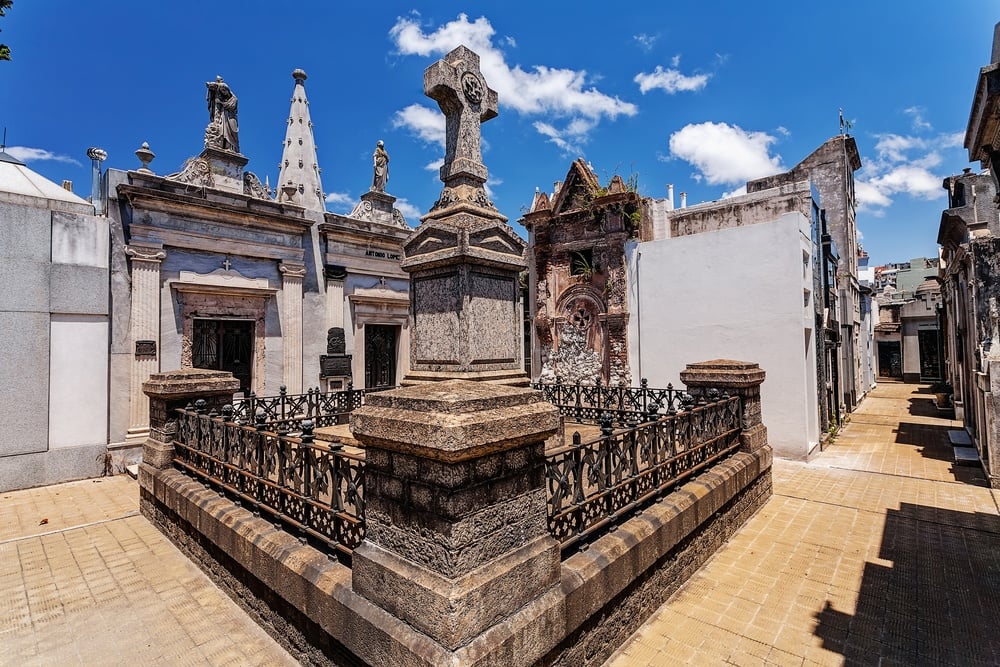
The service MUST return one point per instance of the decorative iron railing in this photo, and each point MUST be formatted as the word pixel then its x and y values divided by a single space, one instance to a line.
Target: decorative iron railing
pixel 316 490
pixel 313 489
pixel 588 403
pixel 593 485
pixel 285 410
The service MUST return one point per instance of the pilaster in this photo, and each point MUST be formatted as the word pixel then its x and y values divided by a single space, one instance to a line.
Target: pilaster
pixel 145 258
pixel 291 325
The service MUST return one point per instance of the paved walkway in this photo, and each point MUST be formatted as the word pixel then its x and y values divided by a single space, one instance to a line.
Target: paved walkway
pixel 86 580
pixel 879 551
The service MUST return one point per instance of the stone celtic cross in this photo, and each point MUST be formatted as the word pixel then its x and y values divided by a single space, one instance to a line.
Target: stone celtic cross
pixel 456 83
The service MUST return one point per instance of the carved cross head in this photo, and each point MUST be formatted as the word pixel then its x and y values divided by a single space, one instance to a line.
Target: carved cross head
pixel 456 83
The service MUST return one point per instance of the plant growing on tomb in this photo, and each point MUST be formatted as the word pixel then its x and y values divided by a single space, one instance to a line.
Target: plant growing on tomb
pixel 582 264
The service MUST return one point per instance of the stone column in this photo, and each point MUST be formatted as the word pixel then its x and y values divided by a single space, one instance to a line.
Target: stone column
pixel 457 538
pixel 740 378
pixel 291 325
pixel 165 392
pixel 145 329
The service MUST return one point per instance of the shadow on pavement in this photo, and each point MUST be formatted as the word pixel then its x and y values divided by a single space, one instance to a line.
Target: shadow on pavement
pixel 932 439
pixel 936 603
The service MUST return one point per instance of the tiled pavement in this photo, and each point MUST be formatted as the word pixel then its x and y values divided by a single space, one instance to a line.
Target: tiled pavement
pixel 878 551
pixel 86 580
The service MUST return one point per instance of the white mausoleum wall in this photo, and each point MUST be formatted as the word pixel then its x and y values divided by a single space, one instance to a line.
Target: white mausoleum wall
pixel 740 293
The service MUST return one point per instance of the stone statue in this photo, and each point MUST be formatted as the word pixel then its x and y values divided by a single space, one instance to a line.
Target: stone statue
pixel 223 130
pixel 380 163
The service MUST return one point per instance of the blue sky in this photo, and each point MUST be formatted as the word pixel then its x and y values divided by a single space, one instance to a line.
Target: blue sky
pixel 701 95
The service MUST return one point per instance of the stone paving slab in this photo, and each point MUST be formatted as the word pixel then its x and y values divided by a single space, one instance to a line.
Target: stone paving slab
pixel 879 551
pixel 97 584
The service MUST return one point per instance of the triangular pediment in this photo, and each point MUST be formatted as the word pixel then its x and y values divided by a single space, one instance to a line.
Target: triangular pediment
pixel 578 189
pixel 497 239
pixel 430 239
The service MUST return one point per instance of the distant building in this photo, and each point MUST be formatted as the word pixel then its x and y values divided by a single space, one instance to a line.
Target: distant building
pixel 907 335
pixel 203 268
pixel 757 275
pixel 212 270
pixel 54 323
pixel 830 168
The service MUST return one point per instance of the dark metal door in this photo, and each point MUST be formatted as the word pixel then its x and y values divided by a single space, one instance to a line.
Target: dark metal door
pixel 930 357
pixel 890 359
pixel 380 356
pixel 225 345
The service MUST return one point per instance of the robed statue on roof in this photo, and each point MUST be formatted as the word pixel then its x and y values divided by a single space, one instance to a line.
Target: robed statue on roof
pixel 223 130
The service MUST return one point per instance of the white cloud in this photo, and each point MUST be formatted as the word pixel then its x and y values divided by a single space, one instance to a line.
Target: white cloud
pixel 870 198
pixel 669 80
pixel 426 123
pixel 725 154
pixel 894 147
pixel 675 62
pixel 909 179
pixel 783 131
pixel 339 198
pixel 645 41
pixel 568 142
pixel 27 154
pixel 555 93
pixel 953 140
pixel 490 183
pixel 917 118
pixel 903 165
pixel 409 211
pixel 435 165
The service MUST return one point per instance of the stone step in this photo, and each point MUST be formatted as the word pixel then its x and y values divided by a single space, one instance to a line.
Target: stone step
pixel 966 456
pixel 959 438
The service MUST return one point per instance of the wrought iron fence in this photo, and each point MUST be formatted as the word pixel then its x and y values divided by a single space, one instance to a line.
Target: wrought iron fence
pixel 592 485
pixel 588 403
pixel 315 490
pixel 285 410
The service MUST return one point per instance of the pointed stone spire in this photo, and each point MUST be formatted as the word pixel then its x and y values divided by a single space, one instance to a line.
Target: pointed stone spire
pixel 299 181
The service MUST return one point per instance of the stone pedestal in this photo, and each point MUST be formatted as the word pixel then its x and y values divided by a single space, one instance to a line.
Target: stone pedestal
pixel 168 391
pixel 378 207
pixel 456 506
pixel 739 378
pixel 226 168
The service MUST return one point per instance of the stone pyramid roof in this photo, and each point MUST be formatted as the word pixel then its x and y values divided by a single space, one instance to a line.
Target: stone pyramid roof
pixel 299 164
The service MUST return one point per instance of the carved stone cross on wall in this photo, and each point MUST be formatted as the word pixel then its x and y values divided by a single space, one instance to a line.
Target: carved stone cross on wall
pixel 456 83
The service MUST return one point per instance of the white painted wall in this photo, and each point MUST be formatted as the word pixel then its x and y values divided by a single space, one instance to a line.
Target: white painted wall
pixel 78 385
pixel 741 293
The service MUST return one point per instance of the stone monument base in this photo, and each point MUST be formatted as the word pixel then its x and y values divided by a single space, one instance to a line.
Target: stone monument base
pixel 511 378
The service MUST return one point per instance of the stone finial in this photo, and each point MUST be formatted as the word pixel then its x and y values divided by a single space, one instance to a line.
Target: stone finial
pixel 145 157
pixel 299 75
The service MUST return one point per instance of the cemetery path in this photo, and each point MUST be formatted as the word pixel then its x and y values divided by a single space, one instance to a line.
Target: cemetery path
pixel 86 580
pixel 878 551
